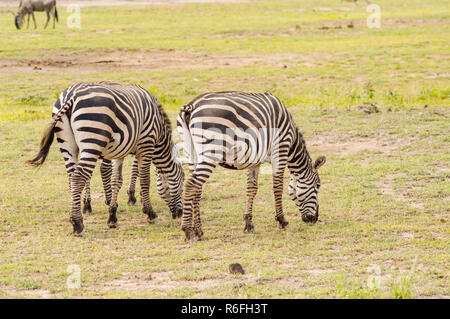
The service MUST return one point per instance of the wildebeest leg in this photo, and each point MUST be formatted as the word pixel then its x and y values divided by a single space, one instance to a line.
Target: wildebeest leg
pixel 132 188
pixel 28 20
pixel 48 18
pixel 116 184
pixel 252 189
pixel 87 199
pixel 191 198
pixel 106 172
pixel 278 177
pixel 144 163
pixel 53 15
pixel 34 19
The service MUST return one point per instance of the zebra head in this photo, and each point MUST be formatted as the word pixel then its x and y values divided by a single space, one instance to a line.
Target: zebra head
pixel 303 189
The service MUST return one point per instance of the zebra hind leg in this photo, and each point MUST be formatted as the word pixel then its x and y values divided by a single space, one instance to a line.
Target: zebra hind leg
pixel 87 209
pixel 116 182
pixel 191 200
pixel 132 187
pixel 106 172
pixel 77 182
pixel 197 221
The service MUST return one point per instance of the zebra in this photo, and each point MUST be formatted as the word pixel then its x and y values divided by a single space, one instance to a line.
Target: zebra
pixel 27 7
pixel 238 130
pixel 108 120
pixel 162 187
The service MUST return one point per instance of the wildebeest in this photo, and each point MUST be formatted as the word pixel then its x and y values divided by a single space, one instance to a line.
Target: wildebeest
pixel 27 7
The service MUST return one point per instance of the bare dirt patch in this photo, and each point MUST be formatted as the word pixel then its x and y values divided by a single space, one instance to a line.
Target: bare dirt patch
pixel 140 60
pixel 386 187
pixel 328 144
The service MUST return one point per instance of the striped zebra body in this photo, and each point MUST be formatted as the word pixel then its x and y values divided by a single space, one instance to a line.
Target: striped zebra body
pixel 241 131
pixel 109 121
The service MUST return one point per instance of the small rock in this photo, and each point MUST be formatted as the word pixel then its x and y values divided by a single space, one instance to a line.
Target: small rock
pixel 236 269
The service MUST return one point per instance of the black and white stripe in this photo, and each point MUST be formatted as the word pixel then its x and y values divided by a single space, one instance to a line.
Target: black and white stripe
pixel 241 131
pixel 107 120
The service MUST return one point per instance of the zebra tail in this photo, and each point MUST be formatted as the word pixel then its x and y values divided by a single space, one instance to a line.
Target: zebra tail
pixel 48 135
pixel 188 147
pixel 56 14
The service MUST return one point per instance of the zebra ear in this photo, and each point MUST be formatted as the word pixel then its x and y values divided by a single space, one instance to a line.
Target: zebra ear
pixel 319 162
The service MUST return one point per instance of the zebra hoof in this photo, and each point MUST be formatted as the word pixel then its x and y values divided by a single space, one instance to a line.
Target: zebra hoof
pixel 177 213
pixel 283 224
pixel 87 209
pixel 189 234
pixel 78 228
pixel 150 213
pixel 131 198
pixel 198 234
pixel 249 228
pixel 131 201
pixel 112 219
pixel 82 234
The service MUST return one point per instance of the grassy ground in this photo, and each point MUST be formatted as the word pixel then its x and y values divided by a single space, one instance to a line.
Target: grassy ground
pixel 385 187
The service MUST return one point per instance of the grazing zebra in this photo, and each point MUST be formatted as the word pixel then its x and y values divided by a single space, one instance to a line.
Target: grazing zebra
pixel 28 7
pixel 241 131
pixel 107 120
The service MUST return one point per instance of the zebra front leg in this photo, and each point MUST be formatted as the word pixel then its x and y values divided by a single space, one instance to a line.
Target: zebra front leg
pixel 87 209
pixel 106 172
pixel 252 189
pixel 116 183
pixel 144 164
pixel 132 188
pixel 278 178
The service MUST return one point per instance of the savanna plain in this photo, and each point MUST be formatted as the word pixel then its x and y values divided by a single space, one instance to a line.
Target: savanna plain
pixel 375 101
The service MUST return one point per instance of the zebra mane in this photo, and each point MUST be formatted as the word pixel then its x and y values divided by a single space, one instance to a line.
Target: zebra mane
pixel 303 143
pixel 165 118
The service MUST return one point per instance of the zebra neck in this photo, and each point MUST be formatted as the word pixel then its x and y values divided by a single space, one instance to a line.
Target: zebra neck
pixel 299 160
